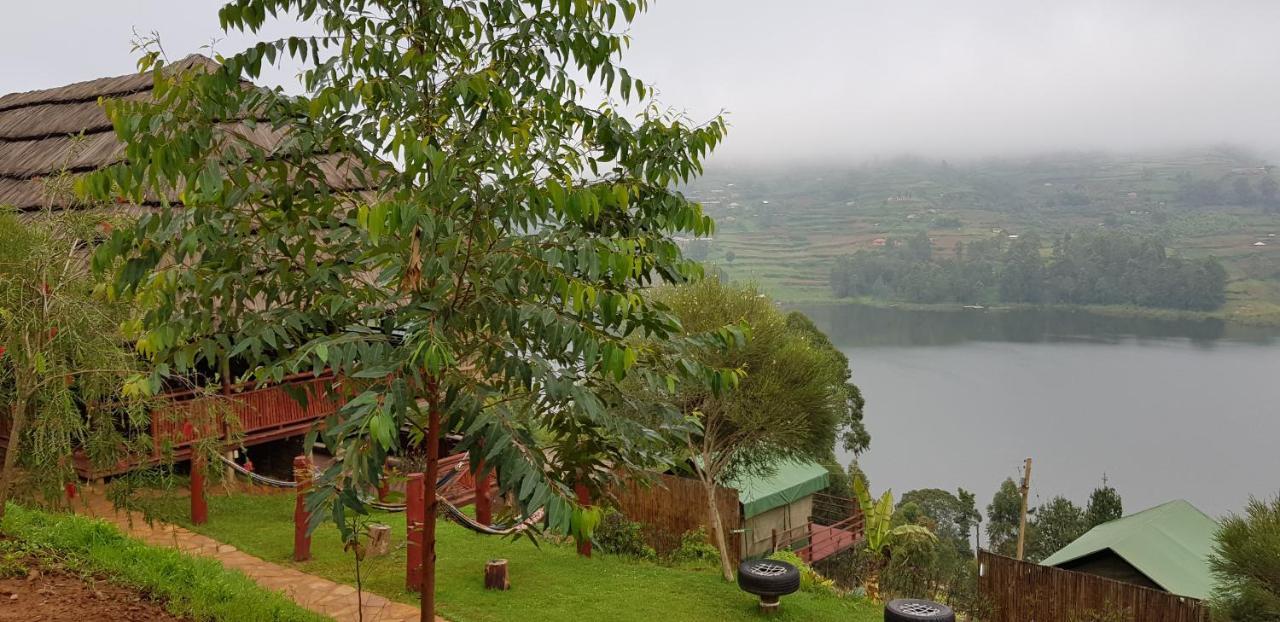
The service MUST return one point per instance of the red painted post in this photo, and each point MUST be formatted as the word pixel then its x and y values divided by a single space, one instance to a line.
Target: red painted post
pixel 301 517
pixel 199 506
pixel 584 498
pixel 484 503
pixel 415 509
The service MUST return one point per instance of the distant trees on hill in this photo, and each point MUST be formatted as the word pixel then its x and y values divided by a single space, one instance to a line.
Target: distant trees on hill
pixel 1088 268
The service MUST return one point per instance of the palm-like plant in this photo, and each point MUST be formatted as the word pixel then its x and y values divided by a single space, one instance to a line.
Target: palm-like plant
pixel 879 533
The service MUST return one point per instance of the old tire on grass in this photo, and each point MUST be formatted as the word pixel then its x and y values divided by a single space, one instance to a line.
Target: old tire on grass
pixel 912 610
pixel 768 577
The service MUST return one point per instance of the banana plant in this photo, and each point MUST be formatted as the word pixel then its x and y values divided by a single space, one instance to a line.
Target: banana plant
pixel 879 534
pixel 877 520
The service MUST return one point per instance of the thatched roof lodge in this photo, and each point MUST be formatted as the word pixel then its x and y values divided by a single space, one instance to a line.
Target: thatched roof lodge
pixel 48 132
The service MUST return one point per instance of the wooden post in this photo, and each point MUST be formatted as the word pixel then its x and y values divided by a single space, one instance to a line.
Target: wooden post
pixel 413 511
pixel 484 503
pixel 773 540
pixel 584 498
pixel 428 609
pixel 495 575
pixel 1022 520
pixel 199 506
pixel 301 517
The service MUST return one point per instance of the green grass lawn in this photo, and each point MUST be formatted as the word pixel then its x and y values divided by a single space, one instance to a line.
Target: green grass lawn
pixel 549 581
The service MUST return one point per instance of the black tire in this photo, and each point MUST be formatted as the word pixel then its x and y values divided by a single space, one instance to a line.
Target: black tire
pixel 768 577
pixel 912 610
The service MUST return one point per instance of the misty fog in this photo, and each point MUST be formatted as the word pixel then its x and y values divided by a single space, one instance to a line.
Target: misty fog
pixel 850 79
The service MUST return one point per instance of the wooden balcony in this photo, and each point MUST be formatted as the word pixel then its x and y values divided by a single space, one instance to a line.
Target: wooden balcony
pixel 256 415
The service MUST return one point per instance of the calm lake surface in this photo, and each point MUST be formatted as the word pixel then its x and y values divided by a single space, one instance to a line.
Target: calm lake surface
pixel 1166 409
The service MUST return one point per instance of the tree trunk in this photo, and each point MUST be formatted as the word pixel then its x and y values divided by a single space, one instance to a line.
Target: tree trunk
pixel 429 518
pixel 717 527
pixel 11 452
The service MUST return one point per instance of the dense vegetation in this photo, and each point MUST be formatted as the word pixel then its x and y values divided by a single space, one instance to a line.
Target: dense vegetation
pixel 1052 525
pixel 1106 268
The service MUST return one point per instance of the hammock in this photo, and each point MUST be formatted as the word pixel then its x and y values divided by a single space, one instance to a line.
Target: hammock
pixel 267 481
pixel 458 516
pixel 451 511
pixel 254 477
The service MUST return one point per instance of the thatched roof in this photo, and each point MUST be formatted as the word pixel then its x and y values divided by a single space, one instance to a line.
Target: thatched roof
pixel 46 132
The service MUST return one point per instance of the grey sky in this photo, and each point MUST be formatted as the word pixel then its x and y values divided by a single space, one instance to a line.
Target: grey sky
pixel 851 78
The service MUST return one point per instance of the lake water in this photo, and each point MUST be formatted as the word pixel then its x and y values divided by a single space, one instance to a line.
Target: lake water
pixel 1165 409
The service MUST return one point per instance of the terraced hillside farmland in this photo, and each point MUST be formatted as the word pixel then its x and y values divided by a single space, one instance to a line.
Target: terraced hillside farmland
pixel 784 227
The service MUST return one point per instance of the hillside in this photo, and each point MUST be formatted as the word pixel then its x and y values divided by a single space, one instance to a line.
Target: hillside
pixel 784 227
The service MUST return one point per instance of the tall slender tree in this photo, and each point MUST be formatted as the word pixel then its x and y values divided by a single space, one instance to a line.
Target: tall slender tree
pixel 793 402
pixel 63 364
pixel 440 219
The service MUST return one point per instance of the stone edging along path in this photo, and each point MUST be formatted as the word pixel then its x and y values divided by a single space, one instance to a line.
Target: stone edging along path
pixel 323 596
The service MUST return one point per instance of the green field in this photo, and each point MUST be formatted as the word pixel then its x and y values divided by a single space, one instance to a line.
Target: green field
pixel 816 214
pixel 549 581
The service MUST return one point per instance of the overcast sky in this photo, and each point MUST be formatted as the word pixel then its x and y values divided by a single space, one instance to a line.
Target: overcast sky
pixel 848 79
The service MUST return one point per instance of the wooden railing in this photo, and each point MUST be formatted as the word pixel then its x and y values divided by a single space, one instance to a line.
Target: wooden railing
pixel 259 414
pixel 827 540
pixel 1026 592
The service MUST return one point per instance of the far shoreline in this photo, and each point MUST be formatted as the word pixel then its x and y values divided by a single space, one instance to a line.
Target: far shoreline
pixel 1227 315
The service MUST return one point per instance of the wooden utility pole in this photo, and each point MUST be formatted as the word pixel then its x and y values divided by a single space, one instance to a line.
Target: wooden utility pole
pixel 1022 521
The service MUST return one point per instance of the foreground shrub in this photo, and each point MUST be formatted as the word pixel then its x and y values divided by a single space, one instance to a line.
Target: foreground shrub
pixel 810 580
pixel 198 588
pixel 619 535
pixel 696 549
pixel 1246 564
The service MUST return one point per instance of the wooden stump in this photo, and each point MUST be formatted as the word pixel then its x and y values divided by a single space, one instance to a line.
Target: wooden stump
pixel 495 575
pixel 379 539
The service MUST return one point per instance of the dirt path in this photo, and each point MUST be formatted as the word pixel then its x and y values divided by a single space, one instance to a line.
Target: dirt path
pixel 47 594
pixel 315 593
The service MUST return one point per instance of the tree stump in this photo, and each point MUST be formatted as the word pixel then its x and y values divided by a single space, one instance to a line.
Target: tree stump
pixel 379 539
pixel 495 575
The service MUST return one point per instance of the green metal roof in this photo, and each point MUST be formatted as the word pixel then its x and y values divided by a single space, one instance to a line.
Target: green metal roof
pixel 1169 543
pixel 790 482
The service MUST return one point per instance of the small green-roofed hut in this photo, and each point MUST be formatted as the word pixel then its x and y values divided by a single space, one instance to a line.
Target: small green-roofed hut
pixel 1166 547
pixel 781 501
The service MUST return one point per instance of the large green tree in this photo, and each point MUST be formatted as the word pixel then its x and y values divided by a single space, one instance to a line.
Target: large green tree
pixel 440 219
pixel 951 517
pixel 793 402
pixel 1057 523
pixel 1003 519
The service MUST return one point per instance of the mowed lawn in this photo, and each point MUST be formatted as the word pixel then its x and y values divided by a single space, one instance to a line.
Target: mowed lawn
pixel 549 581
